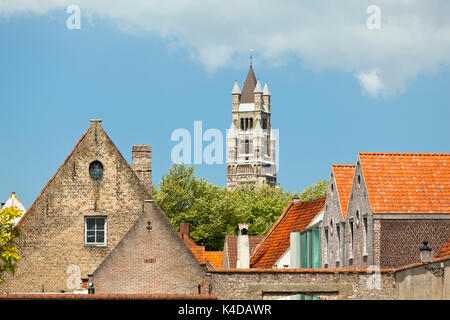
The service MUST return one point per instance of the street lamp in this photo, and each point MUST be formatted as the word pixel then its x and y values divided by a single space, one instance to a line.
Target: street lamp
pixel 425 253
pixel 425 257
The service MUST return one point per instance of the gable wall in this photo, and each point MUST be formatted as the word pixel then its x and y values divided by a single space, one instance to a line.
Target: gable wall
pixel 53 230
pixel 333 212
pixel 359 201
pixel 150 261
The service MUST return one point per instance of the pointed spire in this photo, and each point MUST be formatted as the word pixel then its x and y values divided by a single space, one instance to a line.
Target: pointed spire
pixel 266 91
pixel 236 89
pixel 258 88
pixel 247 95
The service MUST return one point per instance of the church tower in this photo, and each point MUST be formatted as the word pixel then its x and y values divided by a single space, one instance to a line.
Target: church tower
pixel 250 140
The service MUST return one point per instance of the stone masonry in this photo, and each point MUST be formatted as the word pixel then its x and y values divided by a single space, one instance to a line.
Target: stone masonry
pixel 52 245
pixel 150 259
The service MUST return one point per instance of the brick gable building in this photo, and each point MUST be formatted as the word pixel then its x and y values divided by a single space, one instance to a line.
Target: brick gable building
pixel 396 201
pixel 89 211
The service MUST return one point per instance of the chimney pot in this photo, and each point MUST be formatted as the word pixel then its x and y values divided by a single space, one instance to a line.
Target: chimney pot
pixel 243 247
pixel 295 200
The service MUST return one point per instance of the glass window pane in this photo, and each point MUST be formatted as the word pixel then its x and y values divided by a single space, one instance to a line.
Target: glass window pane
pixel 90 223
pixel 96 170
pixel 100 236
pixel 90 237
pixel 100 223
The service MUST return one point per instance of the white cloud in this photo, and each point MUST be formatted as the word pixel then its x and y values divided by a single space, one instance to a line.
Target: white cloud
pixel 370 82
pixel 414 36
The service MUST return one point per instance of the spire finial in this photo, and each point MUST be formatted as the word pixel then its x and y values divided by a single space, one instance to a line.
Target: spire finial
pixel 251 57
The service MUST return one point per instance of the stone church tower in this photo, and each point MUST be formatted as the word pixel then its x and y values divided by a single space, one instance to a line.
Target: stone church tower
pixel 250 139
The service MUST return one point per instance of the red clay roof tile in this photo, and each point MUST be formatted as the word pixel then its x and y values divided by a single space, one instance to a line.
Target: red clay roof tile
pixel 214 258
pixel 407 182
pixel 296 217
pixel 445 251
pixel 343 175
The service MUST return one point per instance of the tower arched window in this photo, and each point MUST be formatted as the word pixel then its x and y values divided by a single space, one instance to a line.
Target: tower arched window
pixel 247 146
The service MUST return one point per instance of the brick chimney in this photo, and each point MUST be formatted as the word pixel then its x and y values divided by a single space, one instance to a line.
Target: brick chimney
pixel 142 164
pixel 185 229
pixel 243 247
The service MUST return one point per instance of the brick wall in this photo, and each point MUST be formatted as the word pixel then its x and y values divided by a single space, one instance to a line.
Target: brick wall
pixel 400 240
pixel 331 257
pixel 150 259
pixel 326 284
pixel 53 230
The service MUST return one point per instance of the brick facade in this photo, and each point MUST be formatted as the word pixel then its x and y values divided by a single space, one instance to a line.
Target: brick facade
pixel 385 239
pixel 150 259
pixel 331 256
pixel 400 240
pixel 274 284
pixel 52 244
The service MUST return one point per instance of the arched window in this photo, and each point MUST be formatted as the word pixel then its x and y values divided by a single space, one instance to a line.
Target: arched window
pixel 96 170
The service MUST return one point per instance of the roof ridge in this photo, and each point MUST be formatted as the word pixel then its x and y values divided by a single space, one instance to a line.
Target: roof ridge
pixel 405 154
pixel 343 165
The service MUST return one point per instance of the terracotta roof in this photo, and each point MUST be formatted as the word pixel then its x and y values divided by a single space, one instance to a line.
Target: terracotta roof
pixel 211 258
pixel 295 217
pixel 343 175
pixel 214 258
pixel 199 253
pixel 407 182
pixel 247 93
pixel 231 244
pixel 445 251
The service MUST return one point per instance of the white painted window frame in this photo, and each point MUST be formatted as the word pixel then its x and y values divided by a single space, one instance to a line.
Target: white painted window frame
pixel 95 244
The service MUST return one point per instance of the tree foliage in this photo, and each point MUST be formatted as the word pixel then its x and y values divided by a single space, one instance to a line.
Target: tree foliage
pixel 213 211
pixel 317 190
pixel 8 234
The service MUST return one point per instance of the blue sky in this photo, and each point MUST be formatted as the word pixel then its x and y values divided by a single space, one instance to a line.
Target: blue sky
pixel 144 85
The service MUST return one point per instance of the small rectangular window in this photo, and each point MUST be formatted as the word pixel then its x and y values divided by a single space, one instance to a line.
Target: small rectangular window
pixel 366 238
pixel 351 240
pixel 95 230
pixel 338 251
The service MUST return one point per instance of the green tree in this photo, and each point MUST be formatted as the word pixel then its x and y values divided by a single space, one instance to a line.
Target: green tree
pixel 315 191
pixel 214 211
pixel 260 207
pixel 8 235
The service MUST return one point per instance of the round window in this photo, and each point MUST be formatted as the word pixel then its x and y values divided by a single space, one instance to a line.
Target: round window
pixel 96 170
